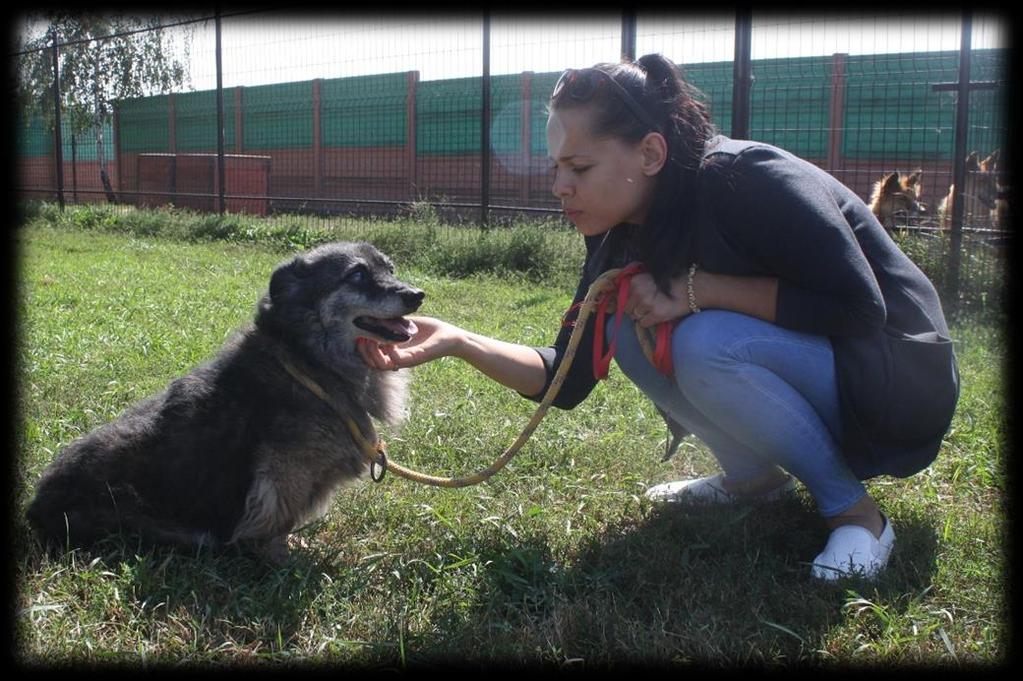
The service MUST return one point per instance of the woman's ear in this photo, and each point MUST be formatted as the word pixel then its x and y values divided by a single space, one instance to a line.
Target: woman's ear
pixel 654 153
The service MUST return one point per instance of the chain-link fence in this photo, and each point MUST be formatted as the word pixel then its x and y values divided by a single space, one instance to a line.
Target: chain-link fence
pixel 345 116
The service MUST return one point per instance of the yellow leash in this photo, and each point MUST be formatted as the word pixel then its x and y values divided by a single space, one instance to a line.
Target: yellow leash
pixel 375 452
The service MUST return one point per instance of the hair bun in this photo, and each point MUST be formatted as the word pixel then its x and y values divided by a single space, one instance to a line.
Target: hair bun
pixel 658 67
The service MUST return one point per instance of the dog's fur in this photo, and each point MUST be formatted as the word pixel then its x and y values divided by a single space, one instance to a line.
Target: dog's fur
pixel 980 195
pixel 896 194
pixel 238 451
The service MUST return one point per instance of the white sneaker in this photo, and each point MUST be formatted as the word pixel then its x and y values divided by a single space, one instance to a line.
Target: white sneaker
pixel 853 550
pixel 711 490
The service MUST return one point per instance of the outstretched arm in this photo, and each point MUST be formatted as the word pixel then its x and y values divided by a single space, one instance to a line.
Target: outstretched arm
pixel 518 367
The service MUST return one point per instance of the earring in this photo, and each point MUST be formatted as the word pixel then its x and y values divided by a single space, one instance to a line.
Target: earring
pixel 630 180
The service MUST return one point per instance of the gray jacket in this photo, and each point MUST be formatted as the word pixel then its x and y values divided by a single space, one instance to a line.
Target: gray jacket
pixel 765 212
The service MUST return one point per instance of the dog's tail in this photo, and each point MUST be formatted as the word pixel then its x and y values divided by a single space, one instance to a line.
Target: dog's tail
pixel 60 524
pixel 65 518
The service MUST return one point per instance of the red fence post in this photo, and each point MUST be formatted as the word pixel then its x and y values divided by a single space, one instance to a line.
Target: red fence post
pixel 412 81
pixel 836 113
pixel 317 142
pixel 526 136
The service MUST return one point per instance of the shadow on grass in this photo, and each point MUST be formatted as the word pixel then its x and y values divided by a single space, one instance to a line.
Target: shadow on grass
pixel 706 585
pixel 698 585
pixel 197 602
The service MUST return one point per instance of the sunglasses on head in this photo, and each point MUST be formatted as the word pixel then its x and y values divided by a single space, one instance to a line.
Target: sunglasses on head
pixel 580 85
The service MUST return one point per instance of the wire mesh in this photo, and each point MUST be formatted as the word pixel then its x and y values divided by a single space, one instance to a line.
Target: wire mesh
pixel 349 117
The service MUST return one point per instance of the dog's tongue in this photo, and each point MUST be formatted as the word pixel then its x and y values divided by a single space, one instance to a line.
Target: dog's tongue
pixel 399 326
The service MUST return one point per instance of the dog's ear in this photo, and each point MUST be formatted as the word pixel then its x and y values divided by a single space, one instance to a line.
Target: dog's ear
pixel 988 164
pixel 275 309
pixel 890 183
pixel 287 278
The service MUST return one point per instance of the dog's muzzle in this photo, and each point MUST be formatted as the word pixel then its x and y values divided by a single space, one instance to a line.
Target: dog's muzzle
pixel 395 329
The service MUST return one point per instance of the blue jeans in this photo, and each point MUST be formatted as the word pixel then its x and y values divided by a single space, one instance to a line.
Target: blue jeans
pixel 758 395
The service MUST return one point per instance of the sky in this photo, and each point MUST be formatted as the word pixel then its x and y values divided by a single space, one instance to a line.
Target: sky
pixel 263 48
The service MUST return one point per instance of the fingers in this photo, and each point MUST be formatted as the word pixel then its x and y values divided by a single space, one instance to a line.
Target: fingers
pixel 377 356
pixel 646 321
pixel 393 358
pixel 640 306
pixel 658 312
pixel 642 296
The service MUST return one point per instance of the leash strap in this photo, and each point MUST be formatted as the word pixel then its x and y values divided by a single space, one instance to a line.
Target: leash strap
pixel 662 347
pixel 602 361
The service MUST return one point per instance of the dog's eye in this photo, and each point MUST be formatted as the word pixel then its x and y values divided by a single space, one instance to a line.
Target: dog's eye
pixel 358 275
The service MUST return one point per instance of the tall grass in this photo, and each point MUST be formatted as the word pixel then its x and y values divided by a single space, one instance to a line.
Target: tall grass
pixel 536 250
pixel 557 561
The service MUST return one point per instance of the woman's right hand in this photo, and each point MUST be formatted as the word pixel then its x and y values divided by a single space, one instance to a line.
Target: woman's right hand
pixel 433 339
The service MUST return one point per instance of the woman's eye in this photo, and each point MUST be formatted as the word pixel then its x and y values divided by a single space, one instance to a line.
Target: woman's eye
pixel 580 171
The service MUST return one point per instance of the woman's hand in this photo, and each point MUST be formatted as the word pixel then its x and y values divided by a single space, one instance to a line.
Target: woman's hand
pixel 518 367
pixel 755 296
pixel 433 339
pixel 649 306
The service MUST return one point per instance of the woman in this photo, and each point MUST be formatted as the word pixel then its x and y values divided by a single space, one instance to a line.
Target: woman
pixel 804 342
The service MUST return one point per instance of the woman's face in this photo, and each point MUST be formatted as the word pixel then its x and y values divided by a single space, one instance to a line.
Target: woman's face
pixel 601 182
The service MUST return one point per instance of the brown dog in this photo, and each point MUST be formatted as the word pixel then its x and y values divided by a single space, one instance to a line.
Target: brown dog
pixel 896 195
pixel 979 196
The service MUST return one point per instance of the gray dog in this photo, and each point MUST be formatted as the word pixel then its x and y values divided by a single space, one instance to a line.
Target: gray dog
pixel 249 446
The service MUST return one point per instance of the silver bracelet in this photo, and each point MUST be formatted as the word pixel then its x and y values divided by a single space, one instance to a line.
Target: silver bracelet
pixel 693 307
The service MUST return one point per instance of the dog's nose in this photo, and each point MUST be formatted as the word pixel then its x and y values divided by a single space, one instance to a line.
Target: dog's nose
pixel 413 297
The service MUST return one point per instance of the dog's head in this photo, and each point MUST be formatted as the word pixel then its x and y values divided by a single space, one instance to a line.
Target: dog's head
pixel 897 194
pixel 982 179
pixel 326 298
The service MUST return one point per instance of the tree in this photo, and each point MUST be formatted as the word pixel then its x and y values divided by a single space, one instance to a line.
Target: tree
pixel 102 58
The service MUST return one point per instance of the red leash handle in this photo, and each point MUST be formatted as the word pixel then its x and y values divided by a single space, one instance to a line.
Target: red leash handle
pixel 662 348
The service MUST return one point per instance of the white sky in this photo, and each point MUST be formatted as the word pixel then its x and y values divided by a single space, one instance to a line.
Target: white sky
pixel 262 49
pixel 281 47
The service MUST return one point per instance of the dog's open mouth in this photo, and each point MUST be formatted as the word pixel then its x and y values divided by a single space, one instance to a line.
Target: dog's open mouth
pixel 397 330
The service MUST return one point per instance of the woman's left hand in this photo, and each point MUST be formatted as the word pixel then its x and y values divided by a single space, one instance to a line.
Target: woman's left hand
pixel 649 306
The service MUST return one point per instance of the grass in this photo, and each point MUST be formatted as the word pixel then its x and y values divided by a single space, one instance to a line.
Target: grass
pixel 558 561
pixel 537 250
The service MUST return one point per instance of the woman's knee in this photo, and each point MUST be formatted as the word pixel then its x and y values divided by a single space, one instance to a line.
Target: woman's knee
pixel 699 348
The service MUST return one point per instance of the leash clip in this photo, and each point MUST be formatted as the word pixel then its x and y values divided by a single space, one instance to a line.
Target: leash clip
pixel 381 462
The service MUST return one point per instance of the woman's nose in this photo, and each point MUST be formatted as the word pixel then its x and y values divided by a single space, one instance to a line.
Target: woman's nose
pixel 560 188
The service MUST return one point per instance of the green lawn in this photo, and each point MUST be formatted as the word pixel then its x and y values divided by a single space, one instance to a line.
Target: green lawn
pixel 558 560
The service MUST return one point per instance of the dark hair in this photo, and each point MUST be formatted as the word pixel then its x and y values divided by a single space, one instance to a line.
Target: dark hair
pixel 658 85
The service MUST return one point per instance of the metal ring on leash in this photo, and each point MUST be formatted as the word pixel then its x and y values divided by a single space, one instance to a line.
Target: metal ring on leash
pixel 381 462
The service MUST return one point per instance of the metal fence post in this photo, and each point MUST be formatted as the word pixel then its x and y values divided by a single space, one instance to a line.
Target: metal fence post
pixel 742 74
pixel 955 242
pixel 628 35
pixel 485 125
pixel 58 147
pixel 220 120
